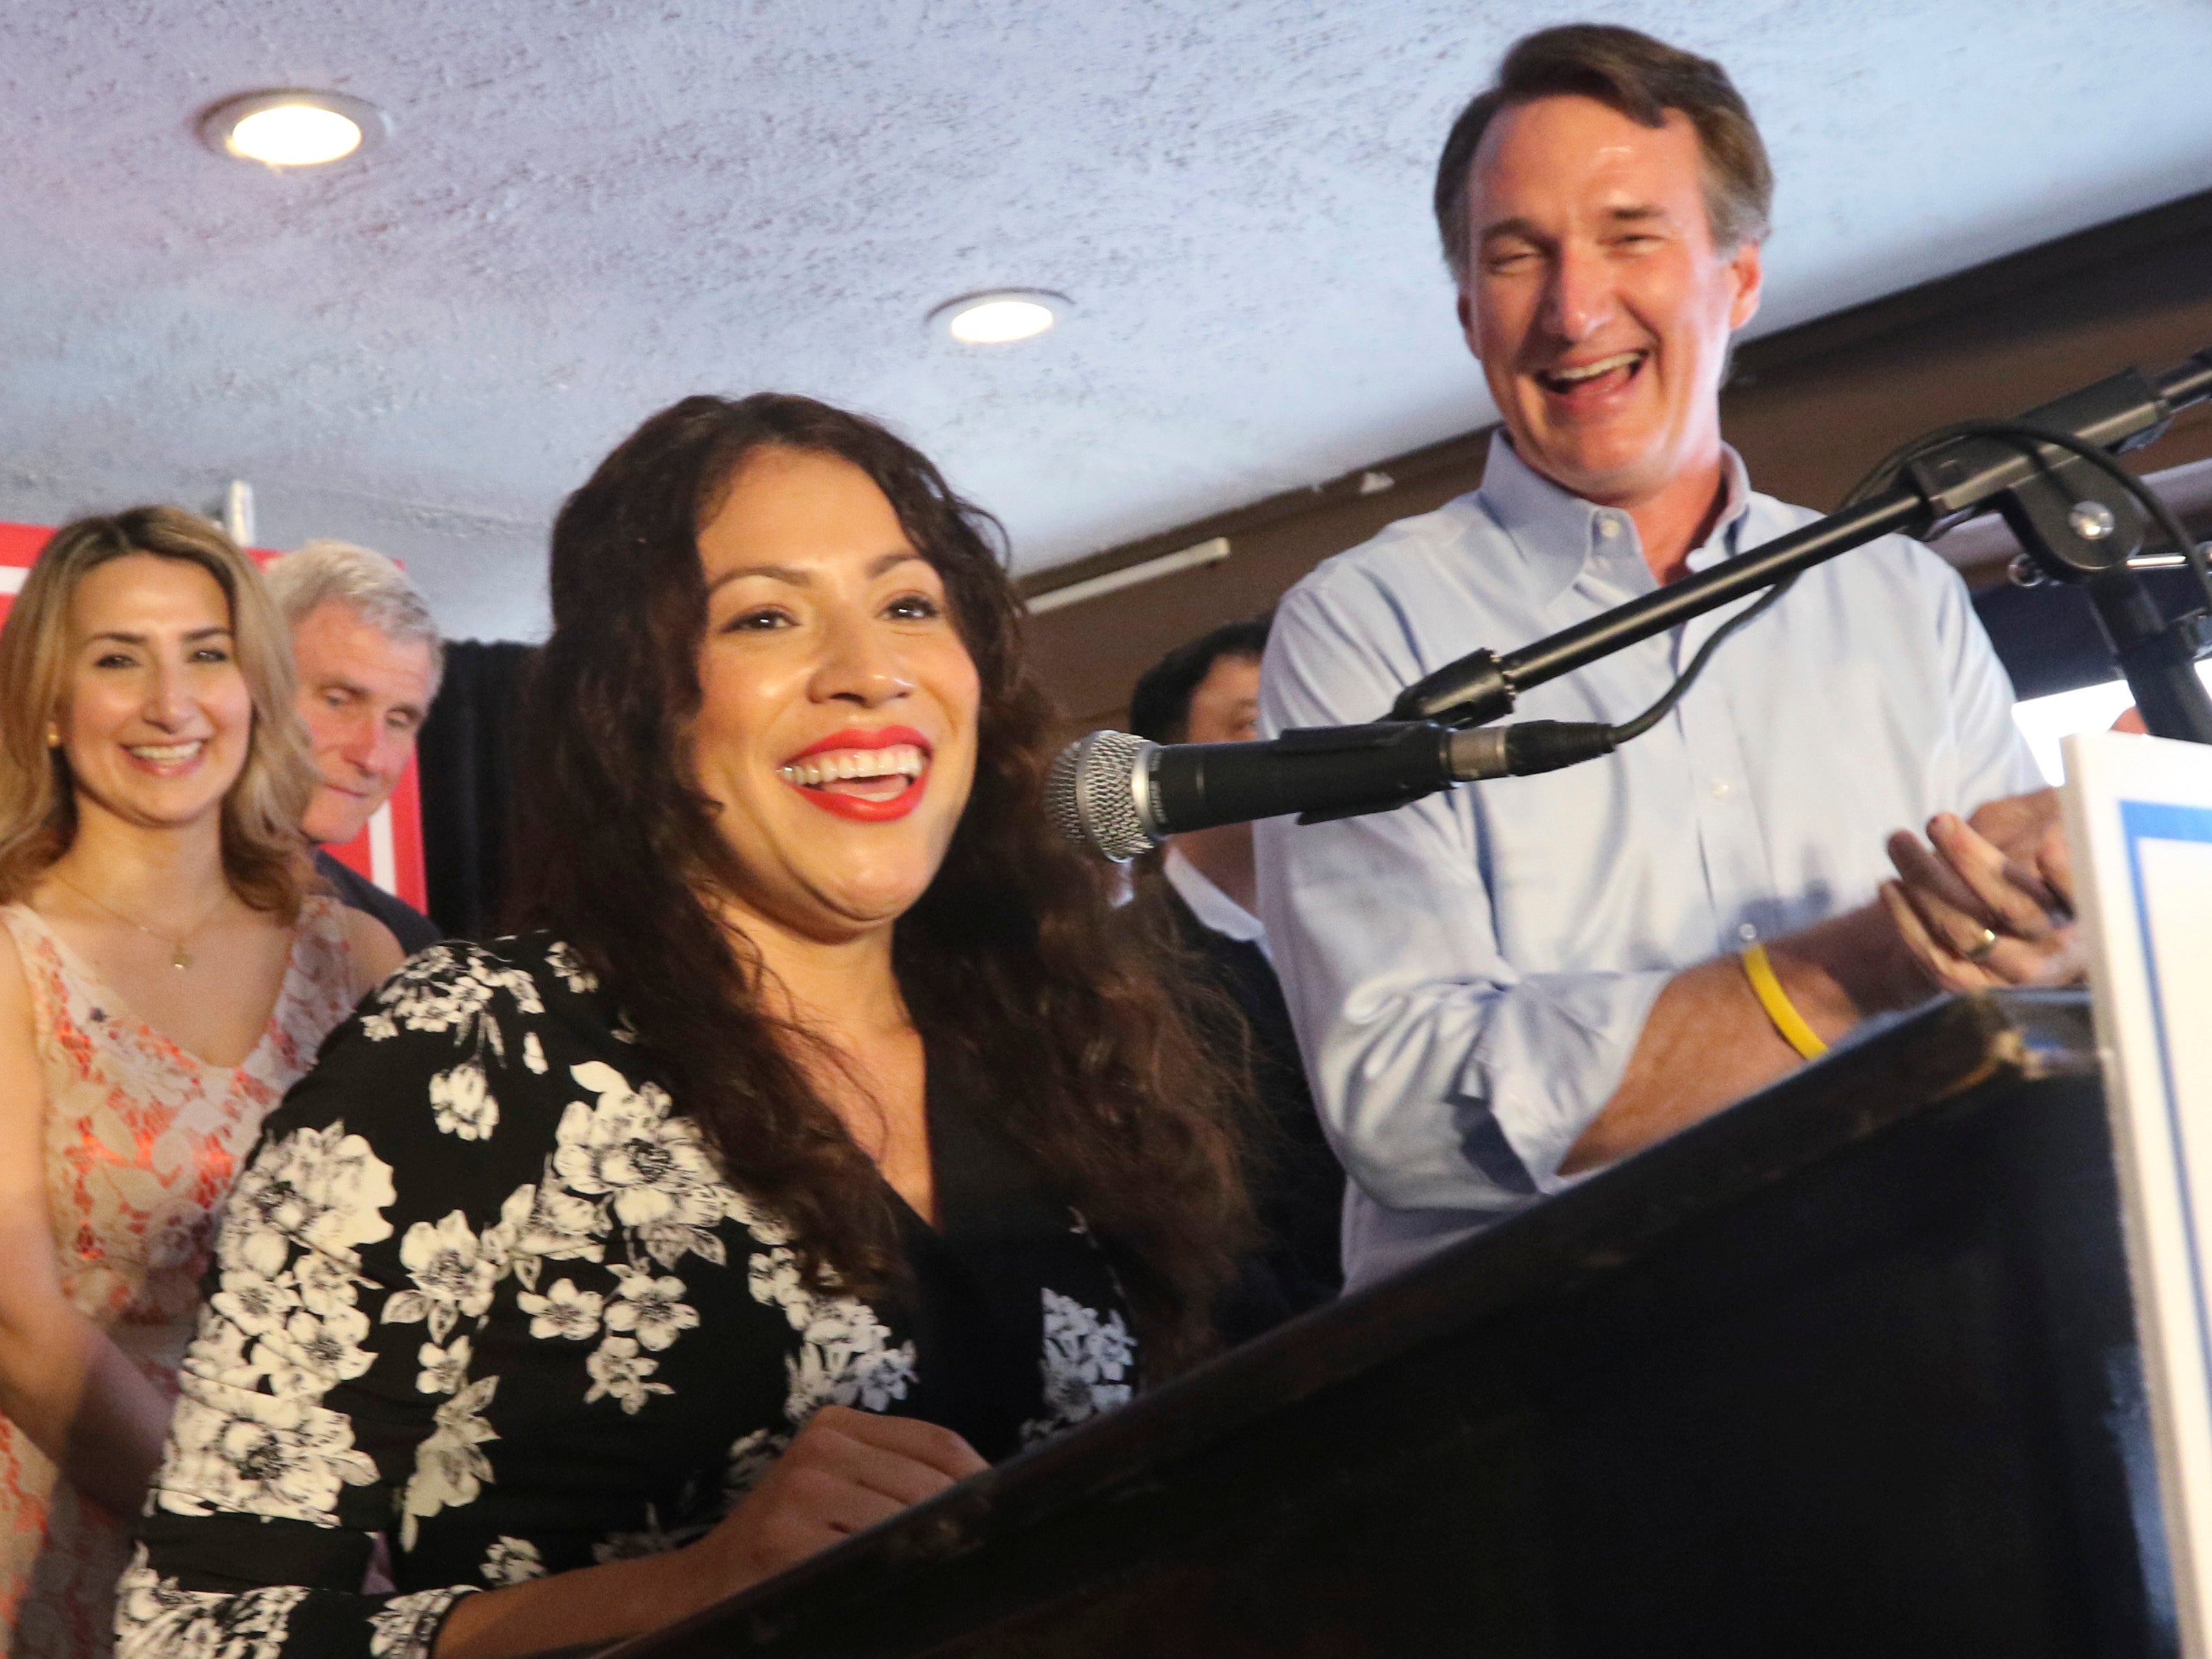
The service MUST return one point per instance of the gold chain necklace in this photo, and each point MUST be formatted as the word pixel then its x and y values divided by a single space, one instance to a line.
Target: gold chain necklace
pixel 179 958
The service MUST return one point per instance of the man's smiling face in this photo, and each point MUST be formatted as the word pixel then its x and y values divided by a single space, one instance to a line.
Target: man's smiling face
pixel 363 695
pixel 1595 299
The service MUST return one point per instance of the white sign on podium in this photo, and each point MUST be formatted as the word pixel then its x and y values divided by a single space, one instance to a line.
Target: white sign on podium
pixel 2139 823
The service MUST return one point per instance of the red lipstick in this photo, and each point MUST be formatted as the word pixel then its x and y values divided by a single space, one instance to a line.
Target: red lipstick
pixel 860 808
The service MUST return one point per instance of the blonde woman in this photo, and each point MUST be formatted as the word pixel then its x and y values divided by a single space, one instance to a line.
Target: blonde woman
pixel 164 976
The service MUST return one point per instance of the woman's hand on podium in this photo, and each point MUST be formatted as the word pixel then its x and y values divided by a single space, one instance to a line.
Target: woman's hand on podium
pixel 1988 903
pixel 843 1472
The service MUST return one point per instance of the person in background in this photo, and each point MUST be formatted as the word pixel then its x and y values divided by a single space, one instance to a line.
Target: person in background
pixel 164 976
pixel 369 658
pixel 1504 987
pixel 826 1140
pixel 1202 891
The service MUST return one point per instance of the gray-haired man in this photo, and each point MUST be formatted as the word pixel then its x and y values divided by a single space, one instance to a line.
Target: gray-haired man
pixel 369 658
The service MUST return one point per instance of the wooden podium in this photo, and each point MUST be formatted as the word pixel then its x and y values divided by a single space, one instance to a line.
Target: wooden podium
pixel 1848 1370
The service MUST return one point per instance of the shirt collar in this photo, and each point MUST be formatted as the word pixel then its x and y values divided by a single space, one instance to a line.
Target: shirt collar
pixel 1223 913
pixel 1560 534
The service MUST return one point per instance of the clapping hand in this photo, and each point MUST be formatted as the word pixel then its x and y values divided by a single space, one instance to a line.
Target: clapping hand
pixel 1988 902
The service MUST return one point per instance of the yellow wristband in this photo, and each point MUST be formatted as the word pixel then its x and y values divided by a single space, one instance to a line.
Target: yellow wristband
pixel 1772 997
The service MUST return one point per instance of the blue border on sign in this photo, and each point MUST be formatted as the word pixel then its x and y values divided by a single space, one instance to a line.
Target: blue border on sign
pixel 2141 821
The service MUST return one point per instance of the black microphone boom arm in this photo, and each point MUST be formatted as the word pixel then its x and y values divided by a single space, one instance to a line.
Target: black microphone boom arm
pixel 1966 476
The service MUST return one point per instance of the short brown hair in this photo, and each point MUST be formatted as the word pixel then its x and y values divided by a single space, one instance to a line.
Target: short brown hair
pixel 263 851
pixel 1642 79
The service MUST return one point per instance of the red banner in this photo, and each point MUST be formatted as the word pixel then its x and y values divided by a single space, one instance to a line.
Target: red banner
pixel 389 852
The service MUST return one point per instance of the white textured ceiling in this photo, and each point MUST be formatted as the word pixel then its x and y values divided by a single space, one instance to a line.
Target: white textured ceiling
pixel 591 207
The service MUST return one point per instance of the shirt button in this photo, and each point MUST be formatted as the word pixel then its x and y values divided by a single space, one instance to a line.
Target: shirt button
pixel 1608 526
pixel 1723 788
pixel 1747 932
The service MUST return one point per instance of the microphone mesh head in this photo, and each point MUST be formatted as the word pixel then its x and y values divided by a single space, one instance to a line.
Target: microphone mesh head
pixel 1088 796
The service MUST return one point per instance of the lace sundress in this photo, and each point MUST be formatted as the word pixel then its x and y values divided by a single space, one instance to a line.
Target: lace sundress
pixel 143 1141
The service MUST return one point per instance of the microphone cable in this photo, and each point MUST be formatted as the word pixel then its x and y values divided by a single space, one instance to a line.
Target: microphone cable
pixel 2026 435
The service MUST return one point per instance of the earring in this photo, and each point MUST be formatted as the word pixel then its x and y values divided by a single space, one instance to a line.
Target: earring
pixel 53 735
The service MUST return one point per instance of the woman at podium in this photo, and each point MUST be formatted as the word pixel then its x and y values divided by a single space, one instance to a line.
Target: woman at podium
pixel 820 1141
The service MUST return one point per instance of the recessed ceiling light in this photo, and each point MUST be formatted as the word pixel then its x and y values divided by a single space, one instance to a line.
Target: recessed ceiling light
pixel 1000 317
pixel 293 129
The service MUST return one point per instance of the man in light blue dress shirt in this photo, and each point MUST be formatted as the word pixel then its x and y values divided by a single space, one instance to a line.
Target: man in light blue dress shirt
pixel 1503 987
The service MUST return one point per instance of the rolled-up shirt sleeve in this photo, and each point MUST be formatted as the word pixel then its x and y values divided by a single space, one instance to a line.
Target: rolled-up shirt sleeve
pixel 1447 1079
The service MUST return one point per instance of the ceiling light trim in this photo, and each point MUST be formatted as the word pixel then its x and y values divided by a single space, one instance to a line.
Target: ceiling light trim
pixel 219 122
pixel 943 320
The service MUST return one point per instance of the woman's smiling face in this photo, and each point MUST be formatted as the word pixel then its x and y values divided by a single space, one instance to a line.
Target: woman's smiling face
pixel 836 724
pixel 159 718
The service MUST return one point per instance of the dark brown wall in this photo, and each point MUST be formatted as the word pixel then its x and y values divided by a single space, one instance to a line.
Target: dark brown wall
pixel 1811 408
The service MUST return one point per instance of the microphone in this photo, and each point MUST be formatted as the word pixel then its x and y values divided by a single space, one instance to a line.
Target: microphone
pixel 1119 796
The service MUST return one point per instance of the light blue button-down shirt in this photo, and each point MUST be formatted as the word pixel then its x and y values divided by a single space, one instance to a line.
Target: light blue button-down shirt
pixel 1469 974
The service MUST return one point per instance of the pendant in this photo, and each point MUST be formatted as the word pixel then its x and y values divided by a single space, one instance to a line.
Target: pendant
pixel 181 958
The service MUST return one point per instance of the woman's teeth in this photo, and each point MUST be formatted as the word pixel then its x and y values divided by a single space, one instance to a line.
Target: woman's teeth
pixel 164 754
pixel 843 765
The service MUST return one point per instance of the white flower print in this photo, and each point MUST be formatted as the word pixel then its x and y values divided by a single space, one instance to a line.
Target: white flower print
pixel 461 1102
pixel 404 1626
pixel 758 1222
pixel 444 1369
pixel 326 1284
pixel 533 1053
pixel 453 1277
pixel 286 1458
pixel 218 1356
pixel 449 1468
pixel 751 1457
pixel 618 1373
pixel 845 1357
pixel 536 1224
pixel 320 1188
pixel 313 1352
pixel 846 1361
pixel 448 987
pixel 1087 1358
pixel 577 978
pixel 653 1308
pixel 512 1561
pixel 256 1304
pixel 563 1310
pixel 649 1165
pixel 159 1620
pixel 290 1325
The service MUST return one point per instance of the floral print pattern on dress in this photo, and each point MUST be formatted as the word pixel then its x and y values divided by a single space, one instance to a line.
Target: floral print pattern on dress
pixel 512 1561
pixel 161 1620
pixel 430 1306
pixel 1088 1355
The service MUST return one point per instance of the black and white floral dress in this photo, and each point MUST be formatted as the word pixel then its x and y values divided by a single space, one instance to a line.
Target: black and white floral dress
pixel 482 1290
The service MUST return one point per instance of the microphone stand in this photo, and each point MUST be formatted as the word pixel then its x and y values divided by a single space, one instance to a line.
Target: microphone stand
pixel 2077 523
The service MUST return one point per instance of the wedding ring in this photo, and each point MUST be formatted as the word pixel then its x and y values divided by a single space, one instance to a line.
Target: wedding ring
pixel 1981 950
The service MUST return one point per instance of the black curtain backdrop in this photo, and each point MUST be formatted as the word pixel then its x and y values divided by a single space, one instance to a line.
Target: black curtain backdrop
pixel 466 756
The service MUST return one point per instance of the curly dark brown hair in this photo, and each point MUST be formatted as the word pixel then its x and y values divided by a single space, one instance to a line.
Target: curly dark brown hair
pixel 1009 964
